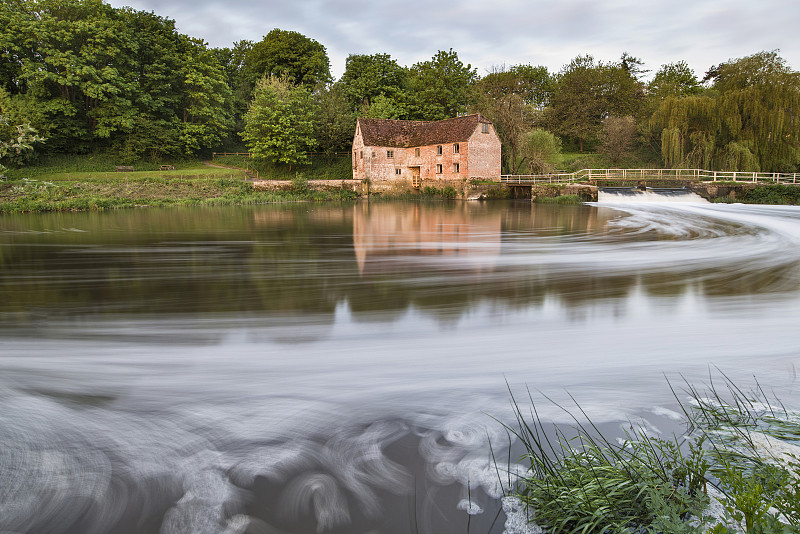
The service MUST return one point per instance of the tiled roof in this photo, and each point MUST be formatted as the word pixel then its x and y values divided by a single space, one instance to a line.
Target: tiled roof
pixel 407 134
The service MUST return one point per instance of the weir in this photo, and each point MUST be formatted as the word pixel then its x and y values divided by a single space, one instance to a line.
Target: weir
pixel 648 194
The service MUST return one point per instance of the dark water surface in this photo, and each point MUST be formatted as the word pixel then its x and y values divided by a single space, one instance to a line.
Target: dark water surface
pixel 333 368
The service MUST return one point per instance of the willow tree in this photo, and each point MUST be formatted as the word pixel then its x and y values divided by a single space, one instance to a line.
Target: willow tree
pixel 689 126
pixel 759 99
pixel 749 123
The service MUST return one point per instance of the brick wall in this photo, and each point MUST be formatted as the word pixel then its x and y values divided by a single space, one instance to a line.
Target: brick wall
pixel 484 154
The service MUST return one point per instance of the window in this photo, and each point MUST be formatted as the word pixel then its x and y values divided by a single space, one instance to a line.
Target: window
pixel 439 168
pixel 373 153
pixel 362 154
pixel 485 127
pixel 398 171
pixel 390 154
pixel 455 168
pixel 456 148
pixel 439 150
pixel 416 152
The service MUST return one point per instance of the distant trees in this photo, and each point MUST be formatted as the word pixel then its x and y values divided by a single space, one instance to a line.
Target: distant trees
pixel 748 122
pixel 587 92
pixel 92 75
pixel 513 99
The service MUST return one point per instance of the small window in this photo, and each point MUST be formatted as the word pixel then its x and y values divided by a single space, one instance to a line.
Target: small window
pixel 362 154
pixel 416 152
pixel 456 148
pixel 390 154
pixel 439 168
pixel 398 171
pixel 485 127
pixel 439 150
pixel 455 168
pixel 373 153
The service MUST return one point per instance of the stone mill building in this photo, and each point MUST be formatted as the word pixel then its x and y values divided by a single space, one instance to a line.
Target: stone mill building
pixel 414 152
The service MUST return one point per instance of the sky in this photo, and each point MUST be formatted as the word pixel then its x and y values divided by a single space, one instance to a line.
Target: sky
pixel 491 33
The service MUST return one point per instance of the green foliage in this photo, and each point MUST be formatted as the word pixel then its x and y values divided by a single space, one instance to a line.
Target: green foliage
pixel 447 192
pixel 588 484
pixel 771 194
pixel 440 88
pixel 578 481
pixel 618 138
pixel 289 55
pixel 747 122
pixel 561 200
pixel 674 79
pixel 540 150
pixel 367 77
pixel 587 92
pixel 93 74
pixel 279 124
pixel 334 122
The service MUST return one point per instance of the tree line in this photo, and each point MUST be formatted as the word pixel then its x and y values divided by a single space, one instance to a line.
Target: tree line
pixel 79 75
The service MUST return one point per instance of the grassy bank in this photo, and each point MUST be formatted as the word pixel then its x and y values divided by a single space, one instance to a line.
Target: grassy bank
pixel 735 470
pixel 118 191
pixel 766 194
pixel 319 168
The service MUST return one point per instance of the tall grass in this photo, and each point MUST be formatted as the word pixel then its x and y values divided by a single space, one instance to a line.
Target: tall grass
pixel 737 453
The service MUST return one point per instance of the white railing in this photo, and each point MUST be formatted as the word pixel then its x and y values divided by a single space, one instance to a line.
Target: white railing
pixel 697 175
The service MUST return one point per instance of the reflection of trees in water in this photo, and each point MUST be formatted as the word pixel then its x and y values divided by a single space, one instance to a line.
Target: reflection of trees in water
pixel 297 260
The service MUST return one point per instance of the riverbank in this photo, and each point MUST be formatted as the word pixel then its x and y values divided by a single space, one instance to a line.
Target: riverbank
pixel 83 191
pixel 121 191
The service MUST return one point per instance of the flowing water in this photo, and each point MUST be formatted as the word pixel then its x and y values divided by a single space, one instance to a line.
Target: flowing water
pixel 341 368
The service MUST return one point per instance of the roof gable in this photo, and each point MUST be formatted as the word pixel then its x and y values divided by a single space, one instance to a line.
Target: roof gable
pixel 407 134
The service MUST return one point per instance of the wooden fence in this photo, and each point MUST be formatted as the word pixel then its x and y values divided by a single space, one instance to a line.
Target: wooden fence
pixel 695 175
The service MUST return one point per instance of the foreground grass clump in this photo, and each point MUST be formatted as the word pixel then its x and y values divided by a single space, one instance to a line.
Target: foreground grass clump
pixel 735 470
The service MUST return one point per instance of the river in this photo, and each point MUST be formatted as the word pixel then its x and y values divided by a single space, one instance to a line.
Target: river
pixel 334 368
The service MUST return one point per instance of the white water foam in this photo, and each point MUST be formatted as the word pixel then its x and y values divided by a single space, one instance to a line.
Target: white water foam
pixel 649 196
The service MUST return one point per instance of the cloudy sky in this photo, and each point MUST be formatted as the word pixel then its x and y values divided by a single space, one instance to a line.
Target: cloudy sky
pixel 496 32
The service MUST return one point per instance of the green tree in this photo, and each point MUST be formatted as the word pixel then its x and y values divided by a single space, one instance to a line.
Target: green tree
pixel 674 79
pixel 513 99
pixel 17 138
pixel 618 138
pixel 758 103
pixel 279 124
pixel 746 122
pixel 688 127
pixel 334 120
pixel 540 150
pixel 587 92
pixel 206 114
pixel 291 55
pixel 96 76
pixel 441 87
pixel 369 76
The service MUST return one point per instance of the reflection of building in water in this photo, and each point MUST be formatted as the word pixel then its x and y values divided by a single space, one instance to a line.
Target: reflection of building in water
pixel 394 237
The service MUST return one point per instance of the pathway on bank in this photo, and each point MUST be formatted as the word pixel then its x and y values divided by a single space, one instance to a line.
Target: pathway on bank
pixel 250 176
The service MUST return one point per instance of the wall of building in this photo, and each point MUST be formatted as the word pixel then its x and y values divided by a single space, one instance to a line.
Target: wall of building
pixel 484 154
